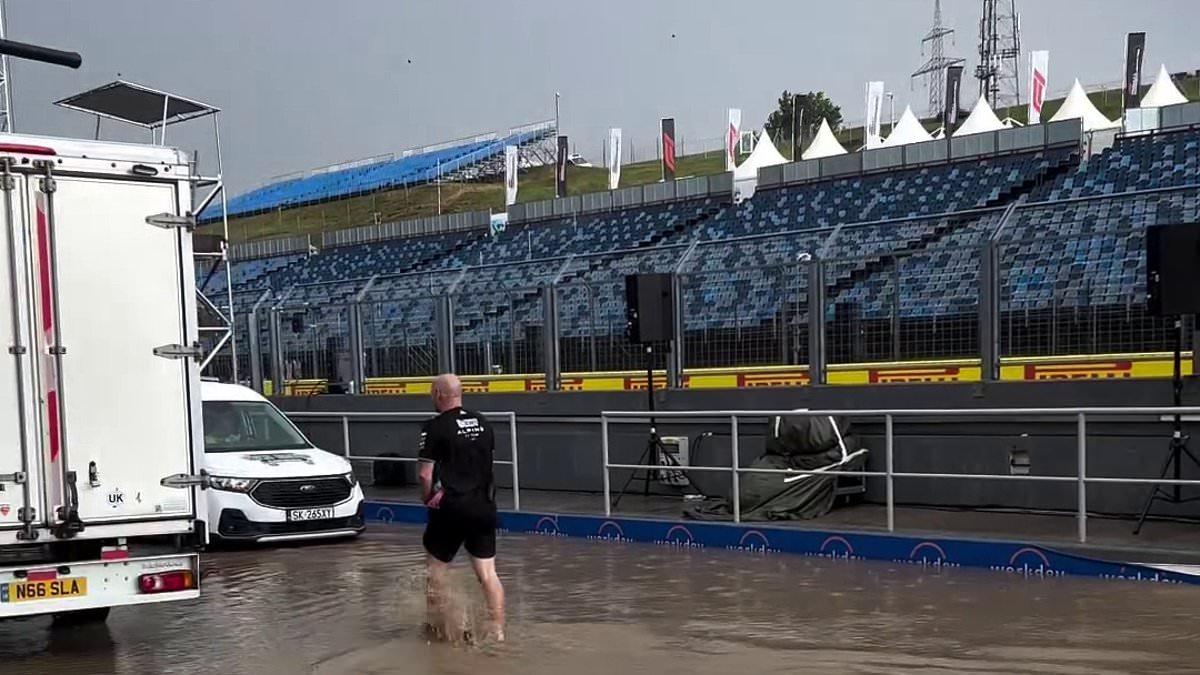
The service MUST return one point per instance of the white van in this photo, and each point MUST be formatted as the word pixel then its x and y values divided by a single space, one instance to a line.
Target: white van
pixel 270 483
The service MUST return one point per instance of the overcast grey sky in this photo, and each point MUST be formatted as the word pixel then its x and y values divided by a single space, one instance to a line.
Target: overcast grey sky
pixel 309 82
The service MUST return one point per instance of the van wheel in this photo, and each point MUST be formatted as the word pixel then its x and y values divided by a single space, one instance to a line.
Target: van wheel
pixel 82 616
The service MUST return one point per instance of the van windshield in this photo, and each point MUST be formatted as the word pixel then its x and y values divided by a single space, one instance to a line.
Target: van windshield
pixel 239 426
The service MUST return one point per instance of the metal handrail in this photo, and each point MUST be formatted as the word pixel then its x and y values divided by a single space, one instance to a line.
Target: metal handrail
pixel 509 418
pixel 1081 479
pixel 917 412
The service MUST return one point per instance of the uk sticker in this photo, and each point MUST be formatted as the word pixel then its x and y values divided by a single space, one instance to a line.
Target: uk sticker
pixel 116 498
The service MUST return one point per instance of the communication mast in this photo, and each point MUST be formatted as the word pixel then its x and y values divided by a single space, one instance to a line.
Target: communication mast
pixel 933 70
pixel 998 71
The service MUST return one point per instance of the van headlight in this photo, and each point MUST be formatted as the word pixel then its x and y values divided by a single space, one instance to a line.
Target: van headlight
pixel 351 478
pixel 229 484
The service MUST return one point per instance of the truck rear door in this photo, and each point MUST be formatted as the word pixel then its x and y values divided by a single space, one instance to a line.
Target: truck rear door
pixel 118 289
pixel 20 486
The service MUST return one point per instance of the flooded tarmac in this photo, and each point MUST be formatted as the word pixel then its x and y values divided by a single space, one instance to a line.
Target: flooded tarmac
pixel 587 608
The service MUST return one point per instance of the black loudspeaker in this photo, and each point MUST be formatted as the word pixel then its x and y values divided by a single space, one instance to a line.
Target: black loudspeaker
pixel 1173 269
pixel 649 307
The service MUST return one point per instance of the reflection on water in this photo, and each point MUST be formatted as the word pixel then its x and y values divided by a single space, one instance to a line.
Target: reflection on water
pixel 584 607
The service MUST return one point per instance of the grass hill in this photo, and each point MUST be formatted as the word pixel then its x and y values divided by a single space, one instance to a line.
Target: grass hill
pixel 538 184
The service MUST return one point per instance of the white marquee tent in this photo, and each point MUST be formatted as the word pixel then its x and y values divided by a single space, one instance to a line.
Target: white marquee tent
pixel 907 130
pixel 1163 91
pixel 1078 106
pixel 825 144
pixel 980 120
pixel 764 154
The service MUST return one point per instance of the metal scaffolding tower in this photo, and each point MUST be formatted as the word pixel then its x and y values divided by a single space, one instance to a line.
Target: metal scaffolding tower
pixel 934 69
pixel 6 116
pixel 155 111
pixel 998 71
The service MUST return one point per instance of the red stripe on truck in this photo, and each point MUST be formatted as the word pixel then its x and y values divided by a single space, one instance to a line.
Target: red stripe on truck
pixel 44 266
pixel 52 420
pixel 46 298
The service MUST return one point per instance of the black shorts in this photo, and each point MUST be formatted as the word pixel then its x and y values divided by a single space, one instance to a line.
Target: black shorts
pixel 453 526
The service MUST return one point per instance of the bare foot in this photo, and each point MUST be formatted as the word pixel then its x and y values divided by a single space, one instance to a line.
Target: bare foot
pixel 432 632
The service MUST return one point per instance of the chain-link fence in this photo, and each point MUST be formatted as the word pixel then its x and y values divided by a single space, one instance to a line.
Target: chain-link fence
pixel 582 346
pixel 920 305
pixel 399 337
pixel 498 332
pixel 1078 294
pixel 315 343
pixel 1069 278
pixel 749 316
pixel 1072 276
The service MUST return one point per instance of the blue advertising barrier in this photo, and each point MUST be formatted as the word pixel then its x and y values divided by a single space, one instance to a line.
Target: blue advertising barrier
pixel 1001 556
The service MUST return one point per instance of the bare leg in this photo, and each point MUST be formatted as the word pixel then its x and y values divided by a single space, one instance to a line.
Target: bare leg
pixel 437 599
pixel 493 592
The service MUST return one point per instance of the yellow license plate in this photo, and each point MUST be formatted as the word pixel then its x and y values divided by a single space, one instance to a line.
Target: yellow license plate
pixel 25 591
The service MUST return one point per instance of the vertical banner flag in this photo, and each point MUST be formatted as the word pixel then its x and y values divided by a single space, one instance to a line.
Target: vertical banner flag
pixel 874 115
pixel 614 158
pixel 733 134
pixel 1039 77
pixel 560 169
pixel 953 97
pixel 668 148
pixel 1135 48
pixel 510 175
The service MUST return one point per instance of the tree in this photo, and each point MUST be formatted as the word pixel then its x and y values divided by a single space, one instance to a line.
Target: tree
pixel 813 107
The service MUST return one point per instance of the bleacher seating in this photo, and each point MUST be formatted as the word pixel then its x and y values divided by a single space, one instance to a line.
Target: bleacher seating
pixel 1167 159
pixel 411 170
pixel 743 265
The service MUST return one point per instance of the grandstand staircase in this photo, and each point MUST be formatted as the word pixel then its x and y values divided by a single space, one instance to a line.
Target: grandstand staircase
pixel 428 262
pixel 1024 188
pixel 685 225
pixel 594 263
pixel 882 263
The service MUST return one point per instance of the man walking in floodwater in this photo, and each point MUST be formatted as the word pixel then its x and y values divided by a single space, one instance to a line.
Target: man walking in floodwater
pixel 457 486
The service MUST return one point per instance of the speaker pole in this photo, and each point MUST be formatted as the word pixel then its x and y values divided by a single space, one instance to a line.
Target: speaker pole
pixel 1178 449
pixel 1195 345
pixel 652 443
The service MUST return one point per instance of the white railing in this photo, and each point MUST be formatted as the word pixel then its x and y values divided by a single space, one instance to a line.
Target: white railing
pixel 889 474
pixel 1080 416
pixel 510 418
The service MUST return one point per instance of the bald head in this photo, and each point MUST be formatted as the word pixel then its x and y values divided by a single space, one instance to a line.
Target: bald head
pixel 446 392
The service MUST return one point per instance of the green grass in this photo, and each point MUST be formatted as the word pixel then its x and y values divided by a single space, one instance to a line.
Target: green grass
pixel 538 184
pixel 534 185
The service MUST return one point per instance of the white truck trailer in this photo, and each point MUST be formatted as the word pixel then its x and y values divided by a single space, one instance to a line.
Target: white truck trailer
pixel 99 379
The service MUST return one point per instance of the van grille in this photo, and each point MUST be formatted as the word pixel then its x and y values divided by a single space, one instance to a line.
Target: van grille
pixel 306 492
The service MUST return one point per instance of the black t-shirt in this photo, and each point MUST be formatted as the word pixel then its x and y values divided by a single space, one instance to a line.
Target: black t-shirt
pixel 462 446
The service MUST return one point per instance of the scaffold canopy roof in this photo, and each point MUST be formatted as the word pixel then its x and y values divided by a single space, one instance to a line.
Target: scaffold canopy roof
pixel 137 104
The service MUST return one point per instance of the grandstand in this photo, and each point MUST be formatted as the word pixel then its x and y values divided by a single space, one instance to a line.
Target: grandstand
pixel 468 159
pixel 900 251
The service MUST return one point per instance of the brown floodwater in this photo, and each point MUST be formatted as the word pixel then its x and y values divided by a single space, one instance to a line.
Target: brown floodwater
pixel 583 608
